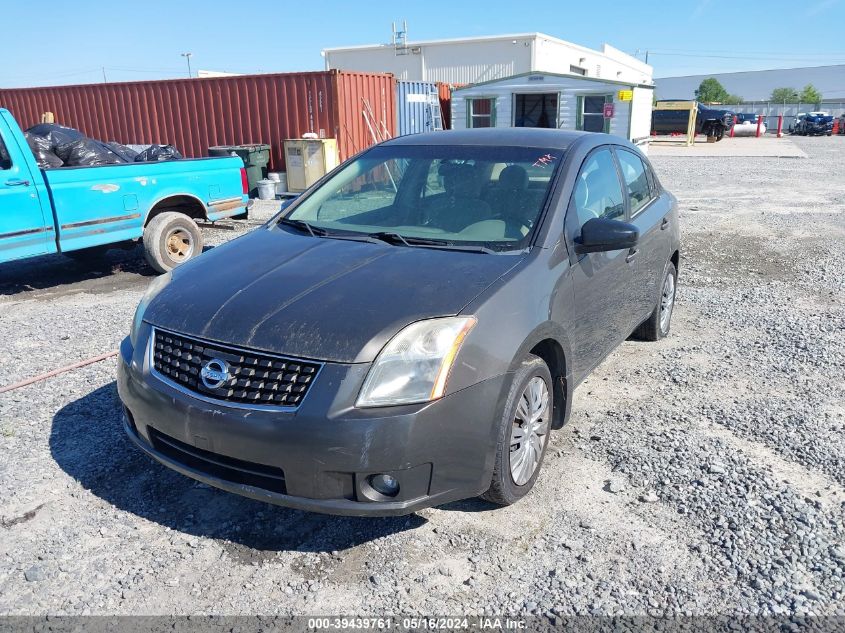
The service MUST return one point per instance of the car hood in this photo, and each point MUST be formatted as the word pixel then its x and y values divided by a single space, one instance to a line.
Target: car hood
pixel 318 298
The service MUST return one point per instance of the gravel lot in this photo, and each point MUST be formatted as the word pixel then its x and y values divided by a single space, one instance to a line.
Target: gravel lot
pixel 704 474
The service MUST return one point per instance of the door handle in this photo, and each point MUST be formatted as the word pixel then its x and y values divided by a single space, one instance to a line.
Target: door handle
pixel 664 224
pixel 17 182
pixel 632 254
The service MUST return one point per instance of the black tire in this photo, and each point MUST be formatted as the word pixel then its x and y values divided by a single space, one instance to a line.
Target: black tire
pixel 651 329
pixel 171 239
pixel 503 489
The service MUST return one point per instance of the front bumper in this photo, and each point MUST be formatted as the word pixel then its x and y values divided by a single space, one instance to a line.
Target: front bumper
pixel 320 456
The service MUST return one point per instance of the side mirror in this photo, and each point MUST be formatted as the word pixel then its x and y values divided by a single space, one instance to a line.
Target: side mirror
pixel 602 234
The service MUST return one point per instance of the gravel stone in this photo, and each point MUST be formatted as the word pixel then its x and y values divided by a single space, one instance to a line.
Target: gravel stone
pixel 34 574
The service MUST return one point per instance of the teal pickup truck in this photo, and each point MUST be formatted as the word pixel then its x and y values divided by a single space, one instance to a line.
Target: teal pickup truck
pixel 83 211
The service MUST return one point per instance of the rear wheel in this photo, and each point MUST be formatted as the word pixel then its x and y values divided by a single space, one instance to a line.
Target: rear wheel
pixel 171 239
pixel 657 325
pixel 523 433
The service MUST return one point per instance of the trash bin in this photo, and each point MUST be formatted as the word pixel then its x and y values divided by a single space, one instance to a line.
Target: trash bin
pixel 255 158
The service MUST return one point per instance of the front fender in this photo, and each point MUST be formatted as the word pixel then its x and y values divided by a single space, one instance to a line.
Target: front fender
pixel 515 316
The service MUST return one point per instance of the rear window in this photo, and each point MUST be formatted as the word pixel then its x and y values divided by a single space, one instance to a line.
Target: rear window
pixel 5 159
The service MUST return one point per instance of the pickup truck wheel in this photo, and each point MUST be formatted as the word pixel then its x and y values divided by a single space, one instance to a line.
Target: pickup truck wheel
pixel 657 325
pixel 171 239
pixel 523 433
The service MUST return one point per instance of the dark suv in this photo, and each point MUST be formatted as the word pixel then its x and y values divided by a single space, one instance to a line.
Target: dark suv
pixel 410 330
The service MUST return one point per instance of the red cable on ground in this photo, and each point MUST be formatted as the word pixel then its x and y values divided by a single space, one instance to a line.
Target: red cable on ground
pixel 56 372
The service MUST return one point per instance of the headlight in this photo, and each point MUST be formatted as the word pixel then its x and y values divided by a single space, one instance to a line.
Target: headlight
pixel 415 364
pixel 155 287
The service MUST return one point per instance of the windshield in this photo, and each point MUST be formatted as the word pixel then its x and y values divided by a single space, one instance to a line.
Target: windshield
pixel 436 194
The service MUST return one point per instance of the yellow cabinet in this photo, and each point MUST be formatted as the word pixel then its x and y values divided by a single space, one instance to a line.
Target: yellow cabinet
pixel 307 160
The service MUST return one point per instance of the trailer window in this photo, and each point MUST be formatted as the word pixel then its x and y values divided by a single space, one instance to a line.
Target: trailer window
pixel 481 113
pixel 592 113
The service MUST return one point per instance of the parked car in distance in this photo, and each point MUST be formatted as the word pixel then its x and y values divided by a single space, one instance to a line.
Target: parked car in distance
pixel 83 211
pixel 408 331
pixel 709 121
pixel 813 124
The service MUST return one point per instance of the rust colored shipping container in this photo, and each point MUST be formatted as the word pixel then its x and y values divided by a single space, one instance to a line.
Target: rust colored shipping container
pixel 445 95
pixel 195 114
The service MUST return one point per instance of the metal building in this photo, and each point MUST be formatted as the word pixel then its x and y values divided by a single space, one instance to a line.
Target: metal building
pixel 557 101
pixel 479 59
pixel 757 85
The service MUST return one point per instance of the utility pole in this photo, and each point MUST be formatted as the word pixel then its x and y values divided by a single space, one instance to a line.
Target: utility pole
pixel 187 56
pixel 105 81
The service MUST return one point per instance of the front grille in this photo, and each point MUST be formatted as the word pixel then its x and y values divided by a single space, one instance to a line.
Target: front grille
pixel 230 469
pixel 253 377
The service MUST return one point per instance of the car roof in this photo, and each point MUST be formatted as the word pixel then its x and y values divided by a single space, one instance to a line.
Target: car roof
pixel 514 137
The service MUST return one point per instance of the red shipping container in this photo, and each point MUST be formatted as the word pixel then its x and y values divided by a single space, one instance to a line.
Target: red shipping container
pixel 195 114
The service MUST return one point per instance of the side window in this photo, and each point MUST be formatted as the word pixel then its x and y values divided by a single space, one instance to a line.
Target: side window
pixel 591 113
pixel 5 159
pixel 636 181
pixel 481 113
pixel 598 193
pixel 652 180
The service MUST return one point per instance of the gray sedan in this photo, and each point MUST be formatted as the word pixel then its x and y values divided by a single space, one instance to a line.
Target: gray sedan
pixel 410 330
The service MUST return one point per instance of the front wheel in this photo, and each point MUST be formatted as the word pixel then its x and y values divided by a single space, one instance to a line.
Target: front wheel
pixel 657 325
pixel 523 433
pixel 171 239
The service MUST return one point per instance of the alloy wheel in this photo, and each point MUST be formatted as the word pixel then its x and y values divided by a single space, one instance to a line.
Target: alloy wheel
pixel 528 434
pixel 667 302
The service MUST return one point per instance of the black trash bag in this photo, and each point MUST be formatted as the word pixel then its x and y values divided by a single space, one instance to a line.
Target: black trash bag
pixel 127 154
pixel 158 152
pixel 56 134
pixel 44 156
pixel 87 152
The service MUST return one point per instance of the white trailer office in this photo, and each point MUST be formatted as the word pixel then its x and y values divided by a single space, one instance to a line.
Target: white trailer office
pixel 557 101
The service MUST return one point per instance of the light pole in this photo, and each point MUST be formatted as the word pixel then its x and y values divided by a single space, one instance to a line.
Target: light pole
pixel 187 56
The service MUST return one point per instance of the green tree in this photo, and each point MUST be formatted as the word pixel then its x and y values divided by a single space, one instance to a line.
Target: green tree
pixel 810 95
pixel 784 95
pixel 732 99
pixel 710 90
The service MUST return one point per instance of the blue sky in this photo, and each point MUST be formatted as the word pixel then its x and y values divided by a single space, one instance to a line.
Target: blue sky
pixel 71 42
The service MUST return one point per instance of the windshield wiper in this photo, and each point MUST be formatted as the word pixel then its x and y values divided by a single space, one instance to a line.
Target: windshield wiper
pixel 302 225
pixel 396 238
pixel 428 242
